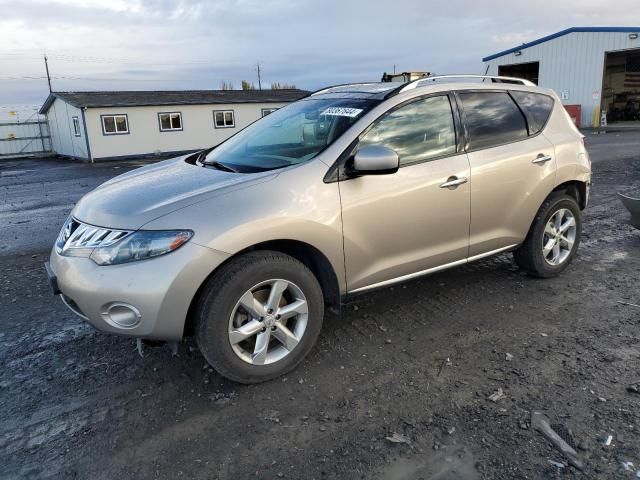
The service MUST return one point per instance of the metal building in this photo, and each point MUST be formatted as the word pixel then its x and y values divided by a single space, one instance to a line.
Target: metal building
pixel 594 70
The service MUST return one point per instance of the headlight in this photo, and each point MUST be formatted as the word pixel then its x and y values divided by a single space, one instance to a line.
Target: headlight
pixel 141 245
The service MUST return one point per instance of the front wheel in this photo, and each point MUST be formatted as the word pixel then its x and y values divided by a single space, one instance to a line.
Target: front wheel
pixel 553 239
pixel 259 316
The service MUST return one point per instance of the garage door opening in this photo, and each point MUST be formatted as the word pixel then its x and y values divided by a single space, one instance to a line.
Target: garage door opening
pixel 621 86
pixel 528 71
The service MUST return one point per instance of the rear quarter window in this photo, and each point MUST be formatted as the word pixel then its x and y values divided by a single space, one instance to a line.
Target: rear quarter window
pixel 492 119
pixel 536 106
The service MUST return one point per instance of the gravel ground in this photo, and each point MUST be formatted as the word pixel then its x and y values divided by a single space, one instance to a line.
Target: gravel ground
pixel 397 388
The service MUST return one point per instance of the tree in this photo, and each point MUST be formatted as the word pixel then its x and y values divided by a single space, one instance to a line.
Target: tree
pixel 226 85
pixel 281 86
pixel 247 86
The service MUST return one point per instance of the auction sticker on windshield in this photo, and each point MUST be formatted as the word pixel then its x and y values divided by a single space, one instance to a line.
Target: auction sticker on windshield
pixel 342 111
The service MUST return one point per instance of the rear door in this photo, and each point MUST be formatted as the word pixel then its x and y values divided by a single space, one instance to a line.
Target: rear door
pixel 512 169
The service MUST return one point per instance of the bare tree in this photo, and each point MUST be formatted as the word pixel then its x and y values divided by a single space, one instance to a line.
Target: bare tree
pixel 226 85
pixel 248 86
pixel 281 86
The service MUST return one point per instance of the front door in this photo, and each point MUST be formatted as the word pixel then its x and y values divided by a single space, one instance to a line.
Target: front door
pixel 416 219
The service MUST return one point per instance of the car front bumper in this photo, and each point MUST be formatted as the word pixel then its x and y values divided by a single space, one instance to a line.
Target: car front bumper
pixel 144 299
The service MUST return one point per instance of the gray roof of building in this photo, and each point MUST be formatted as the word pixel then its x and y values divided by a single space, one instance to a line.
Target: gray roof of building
pixel 172 97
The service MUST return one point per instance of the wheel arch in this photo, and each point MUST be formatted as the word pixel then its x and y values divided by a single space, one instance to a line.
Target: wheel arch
pixel 309 255
pixel 576 189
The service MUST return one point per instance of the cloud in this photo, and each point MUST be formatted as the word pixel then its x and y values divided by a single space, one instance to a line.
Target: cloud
pixel 165 44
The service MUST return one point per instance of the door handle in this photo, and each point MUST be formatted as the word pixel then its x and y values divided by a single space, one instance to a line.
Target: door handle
pixel 541 158
pixel 453 182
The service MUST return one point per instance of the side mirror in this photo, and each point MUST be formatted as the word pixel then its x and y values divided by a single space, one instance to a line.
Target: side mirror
pixel 375 160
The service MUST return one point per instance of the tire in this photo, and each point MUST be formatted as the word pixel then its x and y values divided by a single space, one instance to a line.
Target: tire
pixel 530 256
pixel 221 316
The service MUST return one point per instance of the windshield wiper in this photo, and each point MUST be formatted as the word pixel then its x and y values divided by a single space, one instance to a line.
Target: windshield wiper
pixel 220 166
pixel 202 158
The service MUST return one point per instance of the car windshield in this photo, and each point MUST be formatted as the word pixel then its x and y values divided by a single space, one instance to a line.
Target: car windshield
pixel 289 136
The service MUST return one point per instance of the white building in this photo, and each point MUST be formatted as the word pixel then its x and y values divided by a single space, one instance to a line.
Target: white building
pixel 110 125
pixel 597 68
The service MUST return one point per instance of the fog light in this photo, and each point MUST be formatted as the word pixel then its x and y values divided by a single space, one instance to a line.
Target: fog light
pixel 121 315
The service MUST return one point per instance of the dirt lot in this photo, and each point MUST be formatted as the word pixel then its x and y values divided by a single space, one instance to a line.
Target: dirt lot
pixel 418 360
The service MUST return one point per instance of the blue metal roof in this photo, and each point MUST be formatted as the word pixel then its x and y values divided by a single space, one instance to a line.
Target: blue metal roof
pixel 560 34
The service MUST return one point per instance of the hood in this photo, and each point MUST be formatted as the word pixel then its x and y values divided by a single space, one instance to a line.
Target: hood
pixel 135 198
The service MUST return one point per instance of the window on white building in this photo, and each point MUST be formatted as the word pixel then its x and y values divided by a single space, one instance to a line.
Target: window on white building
pixel 76 126
pixel 267 111
pixel 115 124
pixel 170 121
pixel 224 119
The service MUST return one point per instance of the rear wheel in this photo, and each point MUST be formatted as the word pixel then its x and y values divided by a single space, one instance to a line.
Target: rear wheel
pixel 553 239
pixel 259 316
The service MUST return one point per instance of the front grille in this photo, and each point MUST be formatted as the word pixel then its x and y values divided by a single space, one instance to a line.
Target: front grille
pixel 77 238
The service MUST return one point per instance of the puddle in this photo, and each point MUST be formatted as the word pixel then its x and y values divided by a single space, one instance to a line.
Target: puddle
pixel 14 173
pixel 453 465
pixel 609 261
pixel 68 333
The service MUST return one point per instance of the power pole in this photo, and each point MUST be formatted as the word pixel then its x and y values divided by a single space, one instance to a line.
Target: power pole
pixel 259 78
pixel 46 66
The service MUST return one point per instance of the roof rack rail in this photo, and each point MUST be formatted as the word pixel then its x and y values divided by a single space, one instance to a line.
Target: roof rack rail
pixel 495 79
pixel 328 89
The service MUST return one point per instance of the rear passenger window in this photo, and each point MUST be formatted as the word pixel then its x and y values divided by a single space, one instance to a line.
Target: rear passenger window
pixel 536 106
pixel 418 131
pixel 493 119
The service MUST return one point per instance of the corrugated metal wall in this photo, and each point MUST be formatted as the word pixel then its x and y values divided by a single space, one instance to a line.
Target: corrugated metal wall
pixel 23 134
pixel 573 64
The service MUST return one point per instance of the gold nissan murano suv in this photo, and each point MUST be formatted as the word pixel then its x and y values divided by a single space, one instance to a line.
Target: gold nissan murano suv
pixel 352 188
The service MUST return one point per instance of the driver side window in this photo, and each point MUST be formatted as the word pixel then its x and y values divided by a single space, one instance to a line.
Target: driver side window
pixel 418 131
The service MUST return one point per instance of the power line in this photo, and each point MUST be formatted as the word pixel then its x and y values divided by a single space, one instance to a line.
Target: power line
pixel 118 79
pixel 24 77
pixel 122 61
pixel 110 60
pixel 63 77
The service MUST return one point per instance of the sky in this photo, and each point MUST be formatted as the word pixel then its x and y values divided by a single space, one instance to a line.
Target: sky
pixel 192 44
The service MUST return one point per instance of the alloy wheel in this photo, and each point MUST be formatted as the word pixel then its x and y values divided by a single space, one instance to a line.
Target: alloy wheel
pixel 559 237
pixel 268 322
